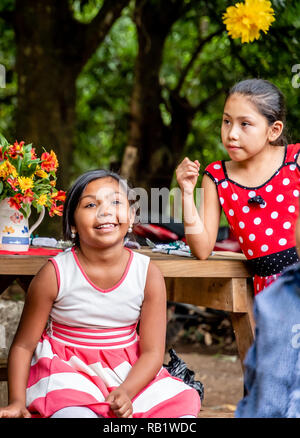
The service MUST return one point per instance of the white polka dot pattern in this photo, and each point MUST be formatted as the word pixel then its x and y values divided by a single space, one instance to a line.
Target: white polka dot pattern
pixel 268 227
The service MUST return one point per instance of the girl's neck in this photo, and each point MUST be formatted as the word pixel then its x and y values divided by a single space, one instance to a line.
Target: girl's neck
pixel 101 255
pixel 257 169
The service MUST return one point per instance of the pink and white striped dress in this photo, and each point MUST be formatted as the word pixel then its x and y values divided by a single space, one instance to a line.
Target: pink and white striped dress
pixel 91 343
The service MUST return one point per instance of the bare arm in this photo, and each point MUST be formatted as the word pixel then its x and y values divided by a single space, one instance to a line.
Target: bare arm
pixel 201 228
pixel 39 300
pixel 152 334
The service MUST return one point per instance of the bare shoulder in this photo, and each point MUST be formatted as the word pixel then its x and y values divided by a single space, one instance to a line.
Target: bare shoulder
pixel 155 283
pixel 45 282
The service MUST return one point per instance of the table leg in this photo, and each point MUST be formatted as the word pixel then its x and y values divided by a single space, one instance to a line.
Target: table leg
pixel 243 322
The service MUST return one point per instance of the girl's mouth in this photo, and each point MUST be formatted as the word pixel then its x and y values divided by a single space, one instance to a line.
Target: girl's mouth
pixel 233 147
pixel 106 227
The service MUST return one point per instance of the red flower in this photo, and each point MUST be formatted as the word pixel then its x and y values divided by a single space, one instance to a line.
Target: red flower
pixel 16 201
pixel 16 149
pixel 3 155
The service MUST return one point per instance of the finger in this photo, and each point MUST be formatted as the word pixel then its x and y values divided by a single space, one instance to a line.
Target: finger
pixel 191 173
pixel 123 412
pixel 127 414
pixel 110 398
pixel 192 166
pixel 116 404
pixel 8 414
pixel 26 414
pixel 197 162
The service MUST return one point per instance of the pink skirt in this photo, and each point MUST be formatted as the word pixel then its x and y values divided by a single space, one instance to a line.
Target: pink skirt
pixel 80 367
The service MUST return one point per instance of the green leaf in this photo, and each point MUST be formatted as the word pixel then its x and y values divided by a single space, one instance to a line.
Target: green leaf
pixel 3 141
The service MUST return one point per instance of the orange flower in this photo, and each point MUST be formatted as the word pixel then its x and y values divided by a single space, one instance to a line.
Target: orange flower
pixel 59 196
pixel 13 182
pixel 8 230
pixel 28 196
pixel 56 209
pixel 49 161
pixel 33 154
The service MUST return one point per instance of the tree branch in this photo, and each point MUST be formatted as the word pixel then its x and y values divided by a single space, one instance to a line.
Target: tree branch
pixel 189 65
pixel 203 104
pixel 91 35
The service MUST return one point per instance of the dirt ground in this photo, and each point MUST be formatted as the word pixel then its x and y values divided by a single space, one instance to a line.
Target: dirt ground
pixel 221 375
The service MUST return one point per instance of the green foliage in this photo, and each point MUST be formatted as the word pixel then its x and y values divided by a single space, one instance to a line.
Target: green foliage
pixel 8 100
pixel 105 85
pixel 103 104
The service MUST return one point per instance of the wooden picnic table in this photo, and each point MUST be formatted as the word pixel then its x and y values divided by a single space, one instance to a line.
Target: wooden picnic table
pixel 223 282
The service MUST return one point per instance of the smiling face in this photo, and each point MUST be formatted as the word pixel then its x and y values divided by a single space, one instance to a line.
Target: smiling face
pixel 103 215
pixel 245 132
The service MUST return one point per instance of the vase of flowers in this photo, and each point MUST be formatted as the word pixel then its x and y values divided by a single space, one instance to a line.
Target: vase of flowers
pixel 26 181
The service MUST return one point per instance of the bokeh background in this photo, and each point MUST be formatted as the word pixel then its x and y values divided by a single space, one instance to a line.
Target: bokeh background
pixel 133 85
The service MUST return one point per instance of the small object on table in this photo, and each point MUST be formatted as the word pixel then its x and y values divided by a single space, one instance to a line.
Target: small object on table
pixel 44 241
pixel 177 248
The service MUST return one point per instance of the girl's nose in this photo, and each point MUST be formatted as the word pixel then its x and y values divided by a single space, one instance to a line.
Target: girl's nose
pixel 103 210
pixel 233 133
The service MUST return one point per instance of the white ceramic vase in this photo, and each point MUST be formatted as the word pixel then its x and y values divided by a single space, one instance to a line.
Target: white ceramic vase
pixel 14 229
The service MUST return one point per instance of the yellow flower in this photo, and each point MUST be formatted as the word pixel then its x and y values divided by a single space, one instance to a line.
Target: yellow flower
pixel 7 169
pixel 41 173
pixel 42 199
pixel 246 20
pixel 25 183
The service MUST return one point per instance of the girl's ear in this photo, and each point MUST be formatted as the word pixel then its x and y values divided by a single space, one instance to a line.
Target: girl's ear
pixel 275 130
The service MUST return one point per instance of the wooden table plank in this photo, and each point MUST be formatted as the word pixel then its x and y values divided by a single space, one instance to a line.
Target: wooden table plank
pixel 222 267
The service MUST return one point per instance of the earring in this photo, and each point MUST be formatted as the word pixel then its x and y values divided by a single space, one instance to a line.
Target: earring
pixel 130 229
pixel 73 235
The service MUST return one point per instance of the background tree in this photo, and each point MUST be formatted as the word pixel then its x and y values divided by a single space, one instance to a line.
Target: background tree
pixel 195 64
pixel 174 54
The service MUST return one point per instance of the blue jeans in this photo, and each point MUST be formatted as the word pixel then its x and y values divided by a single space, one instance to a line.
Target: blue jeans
pixel 272 364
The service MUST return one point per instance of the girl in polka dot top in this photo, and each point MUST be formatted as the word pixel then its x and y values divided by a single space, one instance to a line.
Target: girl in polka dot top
pixel 258 188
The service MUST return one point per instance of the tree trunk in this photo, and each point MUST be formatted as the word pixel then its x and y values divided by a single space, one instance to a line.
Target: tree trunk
pixel 152 164
pixel 52 48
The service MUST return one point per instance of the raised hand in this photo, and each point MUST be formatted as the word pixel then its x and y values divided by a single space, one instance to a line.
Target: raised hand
pixel 187 175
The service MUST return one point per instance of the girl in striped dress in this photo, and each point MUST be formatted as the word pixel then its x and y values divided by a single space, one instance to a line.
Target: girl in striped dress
pixel 89 361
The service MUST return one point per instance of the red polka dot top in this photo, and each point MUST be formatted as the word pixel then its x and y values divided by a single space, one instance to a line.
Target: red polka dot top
pixel 263 218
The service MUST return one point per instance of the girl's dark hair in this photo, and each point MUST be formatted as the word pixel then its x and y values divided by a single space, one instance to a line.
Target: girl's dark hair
pixel 268 100
pixel 75 192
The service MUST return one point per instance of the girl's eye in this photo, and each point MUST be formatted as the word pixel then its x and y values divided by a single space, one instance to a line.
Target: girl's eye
pixel 245 124
pixel 226 121
pixel 90 205
pixel 116 202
